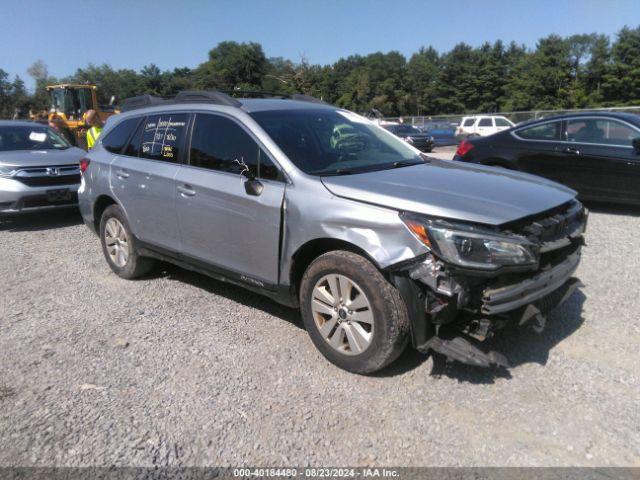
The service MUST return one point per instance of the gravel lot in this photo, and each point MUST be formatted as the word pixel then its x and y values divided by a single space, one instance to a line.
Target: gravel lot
pixel 179 369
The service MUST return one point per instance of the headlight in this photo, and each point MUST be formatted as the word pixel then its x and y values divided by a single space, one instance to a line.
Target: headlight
pixel 471 247
pixel 7 171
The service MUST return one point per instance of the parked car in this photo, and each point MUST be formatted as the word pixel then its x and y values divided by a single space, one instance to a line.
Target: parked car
pixel 39 169
pixel 374 242
pixel 443 133
pixel 597 154
pixel 410 134
pixel 482 126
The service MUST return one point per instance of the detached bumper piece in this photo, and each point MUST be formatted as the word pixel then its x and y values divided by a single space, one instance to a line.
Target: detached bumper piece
pixel 462 350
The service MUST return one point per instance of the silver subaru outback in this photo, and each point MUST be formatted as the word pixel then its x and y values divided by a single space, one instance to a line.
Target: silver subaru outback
pixel 319 208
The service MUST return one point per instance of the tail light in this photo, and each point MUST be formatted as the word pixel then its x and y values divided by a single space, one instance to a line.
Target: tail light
pixel 84 164
pixel 465 147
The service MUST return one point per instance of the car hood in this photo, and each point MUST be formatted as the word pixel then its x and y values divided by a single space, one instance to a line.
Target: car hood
pixel 41 158
pixel 473 193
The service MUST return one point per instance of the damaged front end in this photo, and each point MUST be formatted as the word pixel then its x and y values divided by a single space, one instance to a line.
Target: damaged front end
pixel 476 280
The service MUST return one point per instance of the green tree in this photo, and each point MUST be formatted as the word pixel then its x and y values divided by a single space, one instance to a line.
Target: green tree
pixel 621 83
pixel 422 73
pixel 233 65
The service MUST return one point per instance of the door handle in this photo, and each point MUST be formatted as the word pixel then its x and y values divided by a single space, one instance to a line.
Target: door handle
pixel 186 190
pixel 571 150
pixel 122 173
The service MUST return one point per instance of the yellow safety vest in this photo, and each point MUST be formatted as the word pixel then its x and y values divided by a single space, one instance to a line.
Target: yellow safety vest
pixel 92 136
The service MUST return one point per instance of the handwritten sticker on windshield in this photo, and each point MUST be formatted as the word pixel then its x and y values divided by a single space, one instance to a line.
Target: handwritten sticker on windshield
pixel 38 137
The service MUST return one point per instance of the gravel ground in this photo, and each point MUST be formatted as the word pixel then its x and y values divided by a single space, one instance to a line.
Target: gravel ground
pixel 179 369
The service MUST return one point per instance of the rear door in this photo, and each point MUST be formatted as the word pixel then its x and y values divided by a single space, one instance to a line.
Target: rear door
pixel 536 151
pixel 604 164
pixel 222 221
pixel 143 178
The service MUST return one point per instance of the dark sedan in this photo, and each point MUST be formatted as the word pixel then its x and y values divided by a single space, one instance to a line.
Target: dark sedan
pixel 597 154
pixel 410 134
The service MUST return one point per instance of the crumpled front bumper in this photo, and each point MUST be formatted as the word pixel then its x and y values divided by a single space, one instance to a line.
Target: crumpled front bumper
pixel 504 299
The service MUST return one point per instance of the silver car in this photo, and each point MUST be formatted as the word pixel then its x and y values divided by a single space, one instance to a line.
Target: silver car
pixel 319 208
pixel 39 169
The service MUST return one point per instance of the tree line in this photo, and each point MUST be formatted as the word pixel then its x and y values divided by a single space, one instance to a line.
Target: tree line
pixel 579 71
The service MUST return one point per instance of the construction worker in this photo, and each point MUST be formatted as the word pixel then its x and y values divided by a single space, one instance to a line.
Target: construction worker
pixel 92 118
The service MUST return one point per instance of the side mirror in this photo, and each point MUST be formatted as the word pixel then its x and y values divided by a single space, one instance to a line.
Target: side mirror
pixel 253 187
pixel 636 144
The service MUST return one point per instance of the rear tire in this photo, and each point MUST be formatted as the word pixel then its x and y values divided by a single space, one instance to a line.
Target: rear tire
pixel 353 315
pixel 119 245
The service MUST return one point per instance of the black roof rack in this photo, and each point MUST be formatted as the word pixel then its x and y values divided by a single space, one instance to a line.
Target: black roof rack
pixel 140 101
pixel 208 96
pixel 262 94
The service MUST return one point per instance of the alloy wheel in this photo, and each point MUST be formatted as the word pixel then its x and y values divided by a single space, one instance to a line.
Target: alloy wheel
pixel 115 238
pixel 342 313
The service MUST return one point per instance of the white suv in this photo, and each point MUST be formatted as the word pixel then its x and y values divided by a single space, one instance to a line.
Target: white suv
pixel 482 126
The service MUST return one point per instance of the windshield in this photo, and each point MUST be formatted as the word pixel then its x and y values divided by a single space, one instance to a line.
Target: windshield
pixel 30 138
pixel 71 102
pixel 334 142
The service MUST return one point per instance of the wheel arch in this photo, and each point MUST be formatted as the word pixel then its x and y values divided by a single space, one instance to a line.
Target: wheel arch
pixel 308 252
pixel 99 206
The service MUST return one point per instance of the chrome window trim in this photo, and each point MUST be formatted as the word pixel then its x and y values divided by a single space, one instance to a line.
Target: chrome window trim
pixel 568 119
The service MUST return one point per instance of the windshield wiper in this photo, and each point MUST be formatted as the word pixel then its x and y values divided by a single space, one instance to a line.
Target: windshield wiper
pixel 330 173
pixel 406 163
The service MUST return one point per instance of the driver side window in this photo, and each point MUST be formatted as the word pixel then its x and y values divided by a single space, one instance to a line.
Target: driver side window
pixel 219 143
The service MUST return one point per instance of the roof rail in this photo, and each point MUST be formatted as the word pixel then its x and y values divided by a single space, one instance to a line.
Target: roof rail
pixel 263 94
pixel 140 101
pixel 256 94
pixel 208 96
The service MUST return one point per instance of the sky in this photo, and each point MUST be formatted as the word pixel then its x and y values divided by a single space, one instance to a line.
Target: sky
pixel 130 34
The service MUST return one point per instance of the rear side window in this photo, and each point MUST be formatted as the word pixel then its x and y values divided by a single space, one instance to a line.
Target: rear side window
pixel 546 131
pixel 469 122
pixel 133 148
pixel 485 122
pixel 162 136
pixel 218 143
pixel 117 138
pixel 502 122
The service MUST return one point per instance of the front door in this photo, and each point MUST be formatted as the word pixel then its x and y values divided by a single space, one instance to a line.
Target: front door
pixel 605 164
pixel 227 220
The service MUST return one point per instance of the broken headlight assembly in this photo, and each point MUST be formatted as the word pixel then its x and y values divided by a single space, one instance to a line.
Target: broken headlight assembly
pixel 468 246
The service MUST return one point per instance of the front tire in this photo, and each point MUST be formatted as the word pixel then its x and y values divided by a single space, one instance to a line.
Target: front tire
pixel 119 245
pixel 353 315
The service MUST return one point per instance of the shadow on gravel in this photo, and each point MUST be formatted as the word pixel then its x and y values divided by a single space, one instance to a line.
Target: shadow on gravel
pixel 37 221
pixel 230 291
pixel 520 345
pixel 613 209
